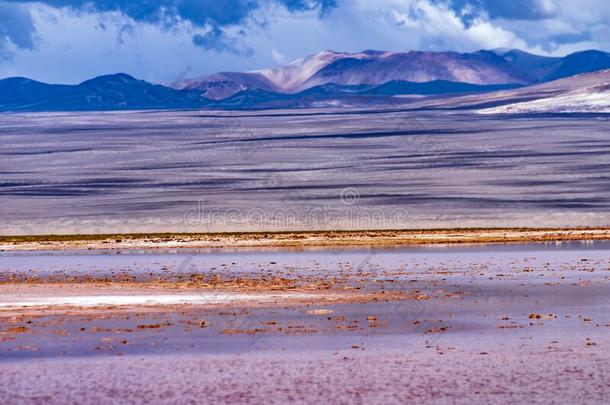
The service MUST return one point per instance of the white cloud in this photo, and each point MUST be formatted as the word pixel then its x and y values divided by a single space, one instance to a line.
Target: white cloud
pixel 418 24
pixel 278 57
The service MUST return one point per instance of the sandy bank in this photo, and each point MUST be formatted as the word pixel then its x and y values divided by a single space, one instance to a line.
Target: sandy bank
pixel 374 238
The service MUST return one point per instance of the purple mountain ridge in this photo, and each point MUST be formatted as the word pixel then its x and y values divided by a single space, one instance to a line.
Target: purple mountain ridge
pixel 336 79
pixel 379 67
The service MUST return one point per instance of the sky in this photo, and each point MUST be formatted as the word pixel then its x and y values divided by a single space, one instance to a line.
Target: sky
pixel 68 41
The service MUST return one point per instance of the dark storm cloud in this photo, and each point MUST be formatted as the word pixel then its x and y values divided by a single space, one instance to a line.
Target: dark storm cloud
pixel 507 9
pixel 304 5
pixel 217 41
pixel 213 15
pixel 198 12
pixel 16 27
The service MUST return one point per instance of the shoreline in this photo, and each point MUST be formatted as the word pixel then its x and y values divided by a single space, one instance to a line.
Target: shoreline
pixel 331 319
pixel 301 239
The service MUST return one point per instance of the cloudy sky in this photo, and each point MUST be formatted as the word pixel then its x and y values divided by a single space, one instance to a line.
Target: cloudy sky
pixel 67 41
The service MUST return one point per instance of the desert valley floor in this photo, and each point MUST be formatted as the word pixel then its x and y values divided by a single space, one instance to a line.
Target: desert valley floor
pixel 362 316
pixel 300 169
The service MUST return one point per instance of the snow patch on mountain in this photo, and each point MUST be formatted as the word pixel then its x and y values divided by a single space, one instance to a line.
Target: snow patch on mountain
pixel 574 102
pixel 588 98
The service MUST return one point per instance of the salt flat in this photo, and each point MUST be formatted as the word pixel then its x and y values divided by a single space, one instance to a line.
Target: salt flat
pixel 477 324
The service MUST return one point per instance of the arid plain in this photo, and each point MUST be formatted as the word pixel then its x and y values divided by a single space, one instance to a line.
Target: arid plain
pixel 349 255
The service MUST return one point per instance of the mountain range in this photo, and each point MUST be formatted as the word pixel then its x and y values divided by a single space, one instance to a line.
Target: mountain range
pixel 111 92
pixel 325 79
pixel 376 67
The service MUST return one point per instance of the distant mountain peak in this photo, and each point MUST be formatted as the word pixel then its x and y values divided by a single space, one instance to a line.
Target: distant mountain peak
pixel 590 52
pixel 19 79
pixel 375 67
pixel 373 52
pixel 501 51
pixel 328 52
pixel 114 78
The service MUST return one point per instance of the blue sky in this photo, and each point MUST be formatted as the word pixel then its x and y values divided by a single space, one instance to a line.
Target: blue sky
pixel 69 41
